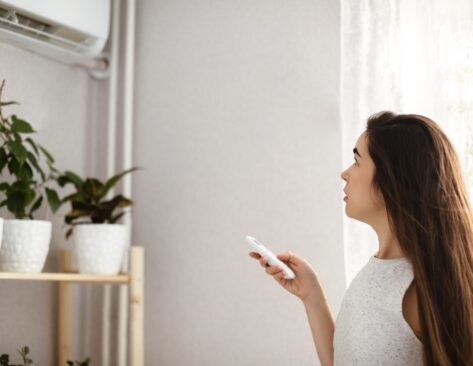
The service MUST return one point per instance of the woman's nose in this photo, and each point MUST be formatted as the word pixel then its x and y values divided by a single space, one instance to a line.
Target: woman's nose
pixel 343 175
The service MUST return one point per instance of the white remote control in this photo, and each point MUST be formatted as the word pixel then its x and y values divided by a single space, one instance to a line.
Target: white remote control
pixel 272 259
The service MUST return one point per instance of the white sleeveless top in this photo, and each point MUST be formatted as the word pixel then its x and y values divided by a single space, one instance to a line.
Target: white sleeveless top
pixel 370 329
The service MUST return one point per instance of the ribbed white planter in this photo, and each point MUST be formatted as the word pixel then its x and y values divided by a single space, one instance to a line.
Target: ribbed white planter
pixel 25 245
pixel 99 248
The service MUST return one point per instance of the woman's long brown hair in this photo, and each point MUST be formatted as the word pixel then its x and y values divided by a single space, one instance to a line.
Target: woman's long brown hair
pixel 419 176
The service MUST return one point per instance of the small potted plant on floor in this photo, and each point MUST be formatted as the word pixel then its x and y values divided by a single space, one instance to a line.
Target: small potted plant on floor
pixel 99 240
pixel 25 356
pixel 23 188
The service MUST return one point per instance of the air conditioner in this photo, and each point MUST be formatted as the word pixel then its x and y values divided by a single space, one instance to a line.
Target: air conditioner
pixel 70 31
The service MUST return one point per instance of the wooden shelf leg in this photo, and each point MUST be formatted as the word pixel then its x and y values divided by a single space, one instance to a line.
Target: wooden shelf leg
pixel 137 306
pixel 65 310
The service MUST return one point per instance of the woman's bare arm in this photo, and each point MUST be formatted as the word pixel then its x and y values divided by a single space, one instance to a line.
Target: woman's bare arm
pixel 306 286
pixel 321 325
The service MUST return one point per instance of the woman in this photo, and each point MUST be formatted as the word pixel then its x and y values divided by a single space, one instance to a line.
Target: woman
pixel 412 303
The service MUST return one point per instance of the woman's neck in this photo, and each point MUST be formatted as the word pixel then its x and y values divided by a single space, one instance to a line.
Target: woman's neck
pixel 388 245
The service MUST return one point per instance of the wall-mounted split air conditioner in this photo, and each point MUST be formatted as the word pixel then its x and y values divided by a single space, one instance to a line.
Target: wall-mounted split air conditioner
pixel 70 31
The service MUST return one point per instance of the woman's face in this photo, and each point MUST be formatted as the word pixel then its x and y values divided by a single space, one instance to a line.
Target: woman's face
pixel 363 203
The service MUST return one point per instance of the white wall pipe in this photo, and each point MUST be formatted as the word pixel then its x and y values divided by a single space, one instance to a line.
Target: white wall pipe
pixel 111 152
pixel 127 163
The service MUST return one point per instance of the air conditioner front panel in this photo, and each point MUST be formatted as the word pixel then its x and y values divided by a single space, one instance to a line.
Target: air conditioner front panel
pixel 88 16
pixel 49 27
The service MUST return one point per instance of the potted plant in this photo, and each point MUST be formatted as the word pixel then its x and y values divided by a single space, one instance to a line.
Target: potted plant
pixel 99 241
pixel 26 241
pixel 25 356
pixel 24 353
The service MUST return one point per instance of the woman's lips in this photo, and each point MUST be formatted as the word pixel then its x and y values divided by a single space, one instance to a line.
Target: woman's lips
pixel 345 198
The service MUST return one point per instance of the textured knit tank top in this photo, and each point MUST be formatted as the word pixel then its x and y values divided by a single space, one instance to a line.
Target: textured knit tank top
pixel 370 328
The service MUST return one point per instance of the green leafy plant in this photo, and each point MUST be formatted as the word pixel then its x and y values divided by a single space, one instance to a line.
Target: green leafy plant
pixel 21 155
pixel 89 203
pixel 86 362
pixel 24 353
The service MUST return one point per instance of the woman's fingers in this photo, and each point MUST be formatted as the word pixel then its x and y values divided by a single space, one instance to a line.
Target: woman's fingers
pixel 255 255
pixel 272 270
pixel 279 276
pixel 264 262
pixel 261 259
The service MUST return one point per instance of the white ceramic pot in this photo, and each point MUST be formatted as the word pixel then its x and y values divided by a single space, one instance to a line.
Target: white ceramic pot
pixel 25 245
pixel 99 248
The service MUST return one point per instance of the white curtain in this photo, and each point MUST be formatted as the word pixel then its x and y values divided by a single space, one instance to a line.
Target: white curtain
pixel 408 56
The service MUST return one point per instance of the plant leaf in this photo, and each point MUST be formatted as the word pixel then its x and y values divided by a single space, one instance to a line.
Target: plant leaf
pixel 115 218
pixel 19 196
pixel 74 215
pixel 53 199
pixel 17 136
pixel 16 204
pixel 3 159
pixel 93 189
pixel 49 157
pixel 108 207
pixel 21 126
pixel 70 177
pixel 24 351
pixel 113 180
pixel 36 205
pixel 33 145
pixel 32 159
pixel 4 360
pixel 83 206
pixel 69 232
pixel 13 166
pixel 4 104
pixel 77 196
pixel 25 172
pixel 52 167
pixel 18 150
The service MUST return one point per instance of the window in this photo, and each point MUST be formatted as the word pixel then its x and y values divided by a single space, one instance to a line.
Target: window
pixel 408 56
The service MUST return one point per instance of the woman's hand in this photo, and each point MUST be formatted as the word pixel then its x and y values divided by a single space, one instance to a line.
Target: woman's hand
pixel 304 286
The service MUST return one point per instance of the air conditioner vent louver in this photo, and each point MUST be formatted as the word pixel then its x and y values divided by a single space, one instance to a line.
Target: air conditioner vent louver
pixel 15 21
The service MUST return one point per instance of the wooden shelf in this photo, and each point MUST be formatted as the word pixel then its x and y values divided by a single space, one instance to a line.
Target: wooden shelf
pixel 122 278
pixel 65 278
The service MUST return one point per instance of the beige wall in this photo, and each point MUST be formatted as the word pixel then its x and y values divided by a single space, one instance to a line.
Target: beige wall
pixel 237 126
